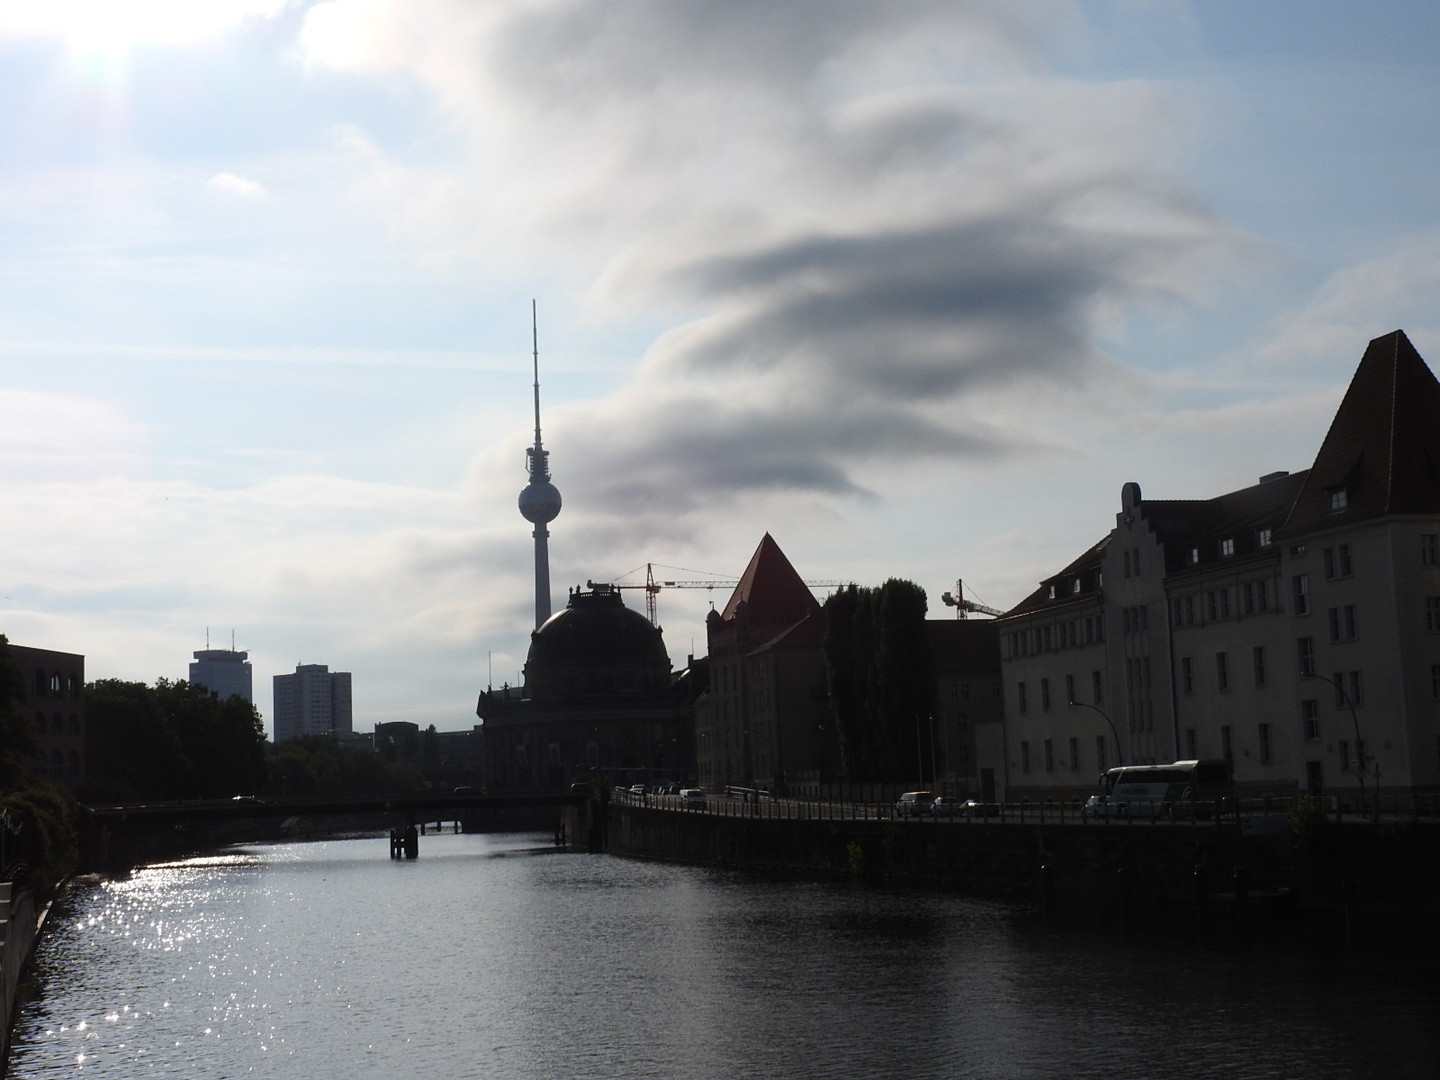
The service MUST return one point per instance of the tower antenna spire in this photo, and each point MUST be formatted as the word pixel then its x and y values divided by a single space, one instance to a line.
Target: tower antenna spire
pixel 540 501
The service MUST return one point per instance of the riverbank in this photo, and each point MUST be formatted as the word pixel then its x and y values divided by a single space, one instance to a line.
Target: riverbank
pixel 22 920
pixel 1388 871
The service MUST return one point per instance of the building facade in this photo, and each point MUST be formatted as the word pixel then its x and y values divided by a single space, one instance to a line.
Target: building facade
pixel 969 730
pixel 1291 627
pixel 599 702
pixel 312 701
pixel 223 672
pixel 55 699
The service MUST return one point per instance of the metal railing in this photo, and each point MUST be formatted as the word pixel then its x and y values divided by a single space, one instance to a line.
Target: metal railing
pixel 1350 806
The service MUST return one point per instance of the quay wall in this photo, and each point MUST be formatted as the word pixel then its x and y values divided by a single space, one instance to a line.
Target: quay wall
pixel 21 931
pixel 1391 869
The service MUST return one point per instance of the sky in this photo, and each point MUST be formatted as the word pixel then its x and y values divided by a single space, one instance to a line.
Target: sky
pixel 914 287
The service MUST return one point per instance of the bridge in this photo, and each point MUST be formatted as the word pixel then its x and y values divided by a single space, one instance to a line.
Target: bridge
pixel 132 833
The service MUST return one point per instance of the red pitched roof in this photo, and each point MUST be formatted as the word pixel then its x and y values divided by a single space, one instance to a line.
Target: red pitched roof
pixel 1383 447
pixel 773 592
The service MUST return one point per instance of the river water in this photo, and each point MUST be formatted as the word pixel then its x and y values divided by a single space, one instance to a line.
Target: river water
pixel 492 956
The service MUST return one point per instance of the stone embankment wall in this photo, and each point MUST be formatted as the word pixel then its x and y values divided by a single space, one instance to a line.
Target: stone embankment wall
pixel 20 929
pixel 1392 869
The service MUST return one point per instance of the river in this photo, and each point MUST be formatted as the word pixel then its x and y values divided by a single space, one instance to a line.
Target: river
pixel 492 956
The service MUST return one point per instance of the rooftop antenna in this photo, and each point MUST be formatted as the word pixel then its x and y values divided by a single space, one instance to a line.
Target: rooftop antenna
pixel 207 639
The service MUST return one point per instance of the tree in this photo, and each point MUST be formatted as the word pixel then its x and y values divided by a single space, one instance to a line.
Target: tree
pixel 880 674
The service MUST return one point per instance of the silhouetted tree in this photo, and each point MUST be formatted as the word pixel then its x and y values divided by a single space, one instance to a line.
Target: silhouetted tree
pixel 881 679
pixel 315 765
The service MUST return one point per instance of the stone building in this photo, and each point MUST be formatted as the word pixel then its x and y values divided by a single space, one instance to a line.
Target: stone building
pixel 1291 627
pixel 599 700
pixel 55 698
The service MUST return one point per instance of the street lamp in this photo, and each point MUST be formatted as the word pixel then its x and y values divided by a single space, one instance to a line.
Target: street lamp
pixel 1118 750
pixel 1359 745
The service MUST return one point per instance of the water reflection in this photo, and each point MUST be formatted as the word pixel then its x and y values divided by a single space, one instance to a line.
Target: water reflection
pixel 492 957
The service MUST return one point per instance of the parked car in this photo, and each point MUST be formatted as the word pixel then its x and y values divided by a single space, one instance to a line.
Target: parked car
pixel 1095 806
pixel 945 806
pixel 637 789
pixel 976 808
pixel 914 804
pixel 692 798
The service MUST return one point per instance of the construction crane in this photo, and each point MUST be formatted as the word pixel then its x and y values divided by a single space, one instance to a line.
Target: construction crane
pixel 961 605
pixel 652 586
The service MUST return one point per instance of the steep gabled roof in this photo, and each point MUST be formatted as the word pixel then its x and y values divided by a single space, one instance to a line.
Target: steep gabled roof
pixel 772 591
pixel 1383 447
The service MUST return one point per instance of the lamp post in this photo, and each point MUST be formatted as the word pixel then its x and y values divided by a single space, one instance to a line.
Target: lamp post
pixel 1118 750
pixel 1359 745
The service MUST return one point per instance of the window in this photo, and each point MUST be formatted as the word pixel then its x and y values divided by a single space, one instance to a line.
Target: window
pixel 1247 593
pixel 1337 498
pixel 1310 719
pixel 1189 610
pixel 1339 686
pixel 1262 595
pixel 1097 688
pixel 1227 547
pixel 1297 550
pixel 1187 674
pixel 1430 549
pixel 1049 755
pixel 965 691
pixel 1349 625
pixel 1044 693
pixel 1306 648
pixel 1024 756
pixel 1301 583
pixel 1020 697
pixel 1069 688
pixel 1344 755
pixel 1432 614
pixel 1194 556
pixel 1125 556
pixel 1225 603
pixel 1191 743
pixel 1259 655
pixel 1262 538
pixel 1222 671
pixel 1100 752
pixel 1074 754
pixel 1266 756
pixel 1357 691
pixel 1337 561
pixel 1212 605
pixel 1227 746
pixel 1334 624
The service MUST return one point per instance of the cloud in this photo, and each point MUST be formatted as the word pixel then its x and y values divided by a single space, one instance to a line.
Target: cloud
pixel 875 217
pixel 237 185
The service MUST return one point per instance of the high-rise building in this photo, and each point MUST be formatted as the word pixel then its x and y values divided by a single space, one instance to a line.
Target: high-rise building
pixel 223 672
pixel 313 701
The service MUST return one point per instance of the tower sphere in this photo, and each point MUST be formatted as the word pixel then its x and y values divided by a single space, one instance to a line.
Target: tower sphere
pixel 540 502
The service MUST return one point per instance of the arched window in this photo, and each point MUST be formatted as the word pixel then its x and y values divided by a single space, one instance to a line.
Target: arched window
pixel 58 724
pixel 72 686
pixel 74 724
pixel 57 685
pixel 41 682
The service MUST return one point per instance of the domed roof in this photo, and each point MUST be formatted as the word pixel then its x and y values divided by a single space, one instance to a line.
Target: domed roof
pixel 596 647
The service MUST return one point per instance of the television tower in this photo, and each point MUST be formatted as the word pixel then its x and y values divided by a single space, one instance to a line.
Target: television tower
pixel 539 502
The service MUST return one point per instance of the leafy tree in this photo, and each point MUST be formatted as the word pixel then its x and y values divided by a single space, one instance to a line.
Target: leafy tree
pixel 314 765
pixel 881 679
pixel 170 741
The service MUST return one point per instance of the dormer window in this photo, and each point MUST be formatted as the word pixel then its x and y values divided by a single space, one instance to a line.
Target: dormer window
pixel 1337 499
pixel 1075 585
pixel 1263 538
pixel 1052 592
pixel 1227 547
pixel 1194 556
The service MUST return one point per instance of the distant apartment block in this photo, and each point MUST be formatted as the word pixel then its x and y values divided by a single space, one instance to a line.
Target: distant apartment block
pixel 313 701
pixel 223 672
pixel 54 685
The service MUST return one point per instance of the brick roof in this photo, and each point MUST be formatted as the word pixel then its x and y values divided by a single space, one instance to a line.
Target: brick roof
pixel 1383 447
pixel 774 594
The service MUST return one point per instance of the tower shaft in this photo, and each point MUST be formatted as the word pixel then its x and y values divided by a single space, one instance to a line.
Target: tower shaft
pixel 540 501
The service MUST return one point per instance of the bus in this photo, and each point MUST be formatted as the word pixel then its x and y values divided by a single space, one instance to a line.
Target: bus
pixel 1190 788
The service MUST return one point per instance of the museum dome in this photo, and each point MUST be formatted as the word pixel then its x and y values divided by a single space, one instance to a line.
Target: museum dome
pixel 596 647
